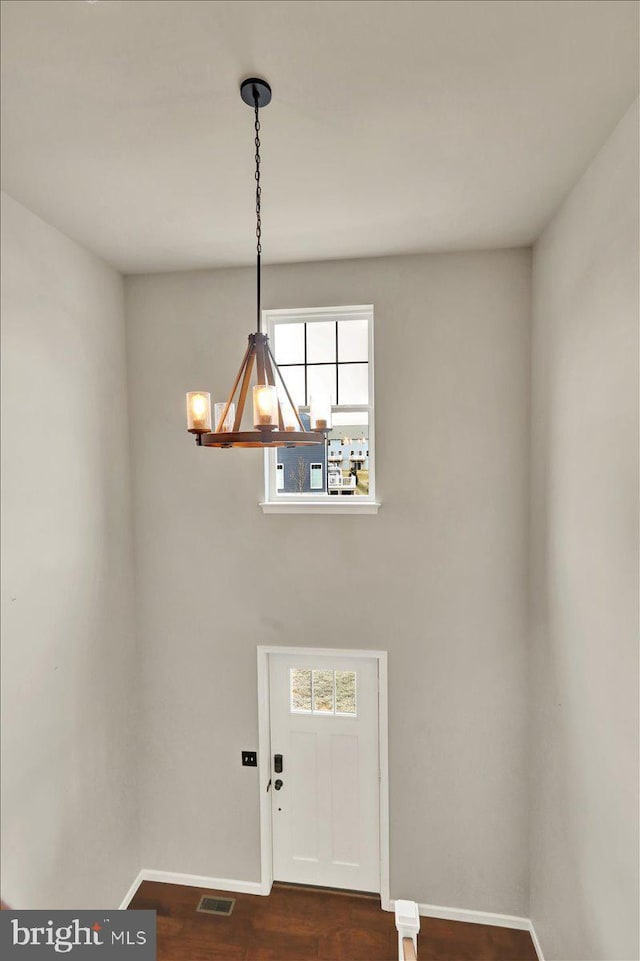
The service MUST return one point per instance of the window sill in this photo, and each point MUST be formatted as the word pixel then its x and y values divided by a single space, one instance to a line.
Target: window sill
pixel 341 505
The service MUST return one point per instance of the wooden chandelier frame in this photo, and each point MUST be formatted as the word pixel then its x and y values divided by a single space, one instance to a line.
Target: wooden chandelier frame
pixel 258 354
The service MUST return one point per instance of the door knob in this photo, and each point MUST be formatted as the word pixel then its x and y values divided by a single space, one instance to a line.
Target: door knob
pixel 278 784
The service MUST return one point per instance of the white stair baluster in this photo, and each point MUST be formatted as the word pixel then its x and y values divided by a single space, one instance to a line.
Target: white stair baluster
pixel 408 925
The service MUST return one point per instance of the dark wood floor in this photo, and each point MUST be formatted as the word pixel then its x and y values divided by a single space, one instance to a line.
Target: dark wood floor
pixel 295 924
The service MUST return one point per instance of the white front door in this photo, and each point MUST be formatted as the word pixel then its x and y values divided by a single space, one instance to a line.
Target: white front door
pixel 325 799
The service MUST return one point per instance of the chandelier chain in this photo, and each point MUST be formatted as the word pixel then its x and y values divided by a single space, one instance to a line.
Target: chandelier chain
pixel 257 176
pixel 269 414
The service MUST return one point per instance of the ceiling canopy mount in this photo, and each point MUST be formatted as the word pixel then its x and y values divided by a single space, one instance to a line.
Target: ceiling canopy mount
pixel 254 89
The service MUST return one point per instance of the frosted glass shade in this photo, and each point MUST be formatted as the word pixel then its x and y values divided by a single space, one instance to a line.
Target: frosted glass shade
pixel 229 419
pixel 265 407
pixel 320 412
pixel 198 411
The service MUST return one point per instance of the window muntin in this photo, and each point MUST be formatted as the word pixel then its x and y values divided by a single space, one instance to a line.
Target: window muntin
pixel 327 352
pixel 324 351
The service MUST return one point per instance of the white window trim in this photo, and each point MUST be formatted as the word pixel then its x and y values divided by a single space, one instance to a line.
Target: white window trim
pixel 308 503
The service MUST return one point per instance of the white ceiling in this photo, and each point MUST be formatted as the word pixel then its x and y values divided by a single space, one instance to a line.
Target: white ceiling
pixel 394 127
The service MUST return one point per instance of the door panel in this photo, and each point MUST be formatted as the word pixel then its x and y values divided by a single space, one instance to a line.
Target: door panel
pixel 302 778
pixel 326 813
pixel 345 799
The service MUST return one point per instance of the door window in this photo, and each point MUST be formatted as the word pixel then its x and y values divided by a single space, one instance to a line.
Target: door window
pixel 322 692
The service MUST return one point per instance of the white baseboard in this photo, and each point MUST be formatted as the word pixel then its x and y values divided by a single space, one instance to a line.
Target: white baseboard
pixel 256 887
pixel 536 943
pixel 132 890
pixel 196 881
pixel 472 917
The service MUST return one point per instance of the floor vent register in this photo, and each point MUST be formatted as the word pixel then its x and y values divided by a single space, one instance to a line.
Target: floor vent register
pixel 223 906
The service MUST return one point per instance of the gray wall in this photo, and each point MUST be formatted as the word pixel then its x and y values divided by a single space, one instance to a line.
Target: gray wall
pixel 68 760
pixel 440 574
pixel 584 650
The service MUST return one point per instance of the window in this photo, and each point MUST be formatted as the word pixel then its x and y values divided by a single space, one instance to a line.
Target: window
pixel 326 353
pixel 322 692
pixel 316 476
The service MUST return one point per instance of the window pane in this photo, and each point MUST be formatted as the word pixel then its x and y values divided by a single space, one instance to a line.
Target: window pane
pixel 353 383
pixel 348 455
pixel 350 419
pixel 323 691
pixel 345 692
pixel 321 381
pixel 288 412
pixel 289 343
pixel 321 342
pixel 294 379
pixel 300 682
pixel 353 340
pixel 316 480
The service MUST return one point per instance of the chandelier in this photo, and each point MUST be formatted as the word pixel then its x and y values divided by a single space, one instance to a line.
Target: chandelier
pixel 276 420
